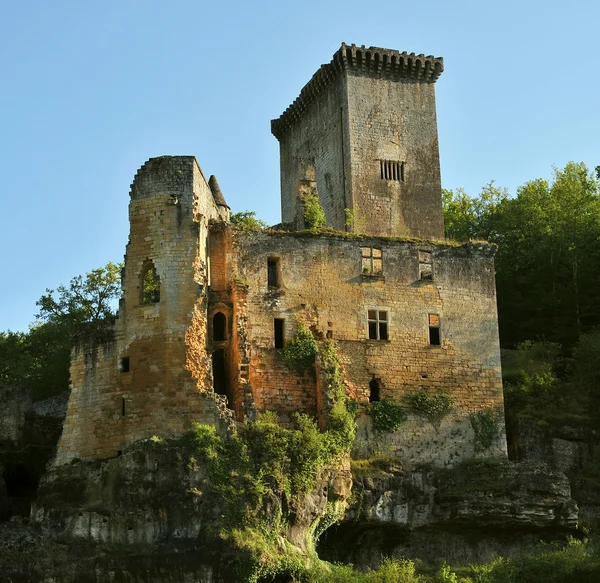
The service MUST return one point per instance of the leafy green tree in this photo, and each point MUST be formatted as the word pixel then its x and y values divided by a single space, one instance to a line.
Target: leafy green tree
pixel 467 218
pixel 40 358
pixel 548 260
pixel 88 299
pixel 247 221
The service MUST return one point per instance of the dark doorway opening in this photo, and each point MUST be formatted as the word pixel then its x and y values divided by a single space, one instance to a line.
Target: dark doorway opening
pixel 374 390
pixel 219 327
pixel 220 381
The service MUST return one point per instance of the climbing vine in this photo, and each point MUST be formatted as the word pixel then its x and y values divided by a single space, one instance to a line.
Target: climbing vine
pixel 485 427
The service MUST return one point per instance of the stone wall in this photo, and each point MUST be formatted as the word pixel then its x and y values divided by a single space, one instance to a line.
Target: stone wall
pixel 320 138
pixel 323 285
pixel 394 121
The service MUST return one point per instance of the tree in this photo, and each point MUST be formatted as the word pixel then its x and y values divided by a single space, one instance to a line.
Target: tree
pixel 40 358
pixel 548 263
pixel 87 300
pixel 548 260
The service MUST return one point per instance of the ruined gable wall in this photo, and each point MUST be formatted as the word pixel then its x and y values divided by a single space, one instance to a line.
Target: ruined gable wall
pixel 321 136
pixel 323 285
pixel 394 121
pixel 109 408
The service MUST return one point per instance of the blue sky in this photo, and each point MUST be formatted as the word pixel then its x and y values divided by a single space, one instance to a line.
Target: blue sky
pixel 90 90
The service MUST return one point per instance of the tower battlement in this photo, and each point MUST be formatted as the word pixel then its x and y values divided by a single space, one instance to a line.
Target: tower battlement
pixel 374 61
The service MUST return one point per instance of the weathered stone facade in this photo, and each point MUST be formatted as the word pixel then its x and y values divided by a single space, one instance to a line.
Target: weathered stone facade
pixel 136 382
pixel 367 121
pixel 206 307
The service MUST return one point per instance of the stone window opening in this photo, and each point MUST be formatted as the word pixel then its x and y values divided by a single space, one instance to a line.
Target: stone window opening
pixel 273 272
pixel 378 324
pixel 435 338
pixel 123 407
pixel 279 332
pixel 372 261
pixel 219 327
pixel 150 286
pixel 425 265
pixel 374 390
pixel 125 364
pixel 391 170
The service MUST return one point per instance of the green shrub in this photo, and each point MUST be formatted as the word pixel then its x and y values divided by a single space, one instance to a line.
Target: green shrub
pixel 314 215
pixel 546 563
pixel 445 574
pixel 299 352
pixel 485 427
pixel 390 571
pixel 255 470
pixel 434 407
pixel 387 415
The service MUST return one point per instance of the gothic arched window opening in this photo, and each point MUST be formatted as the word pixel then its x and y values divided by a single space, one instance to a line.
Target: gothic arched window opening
pixel 150 286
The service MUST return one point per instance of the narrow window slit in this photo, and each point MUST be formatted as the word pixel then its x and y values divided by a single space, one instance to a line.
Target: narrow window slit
pixel 273 272
pixel 219 327
pixel 374 391
pixel 279 332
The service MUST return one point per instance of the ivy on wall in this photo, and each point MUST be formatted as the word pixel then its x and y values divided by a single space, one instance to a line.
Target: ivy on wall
pixel 432 406
pixel 387 415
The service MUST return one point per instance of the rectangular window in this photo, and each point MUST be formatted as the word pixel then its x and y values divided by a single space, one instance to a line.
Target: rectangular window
pixel 435 338
pixel 279 332
pixel 125 364
pixel 391 170
pixel 378 324
pixel 425 264
pixel 372 261
pixel 123 407
pixel 273 272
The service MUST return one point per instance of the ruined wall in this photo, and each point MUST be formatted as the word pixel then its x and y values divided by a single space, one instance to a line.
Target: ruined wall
pixel 323 283
pixel 394 121
pixel 137 383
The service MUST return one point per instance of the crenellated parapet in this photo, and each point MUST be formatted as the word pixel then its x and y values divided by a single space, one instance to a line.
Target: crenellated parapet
pixel 373 62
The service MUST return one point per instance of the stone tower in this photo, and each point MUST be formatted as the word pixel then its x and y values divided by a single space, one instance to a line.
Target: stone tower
pixel 367 124
pixel 136 380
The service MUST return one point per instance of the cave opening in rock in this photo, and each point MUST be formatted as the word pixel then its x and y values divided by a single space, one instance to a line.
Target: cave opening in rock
pixel 20 483
pixel 21 487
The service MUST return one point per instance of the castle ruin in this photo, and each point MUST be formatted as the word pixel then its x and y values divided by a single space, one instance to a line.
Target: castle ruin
pixel 207 307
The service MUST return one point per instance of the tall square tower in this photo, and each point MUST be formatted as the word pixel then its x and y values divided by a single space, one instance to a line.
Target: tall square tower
pixel 366 122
